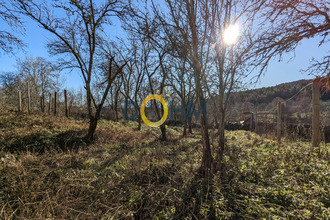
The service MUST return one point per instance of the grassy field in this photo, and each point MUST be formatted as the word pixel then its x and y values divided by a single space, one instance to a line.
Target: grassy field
pixel 47 171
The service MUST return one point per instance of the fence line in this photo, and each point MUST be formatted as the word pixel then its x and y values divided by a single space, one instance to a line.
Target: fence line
pixel 279 119
pixel 52 102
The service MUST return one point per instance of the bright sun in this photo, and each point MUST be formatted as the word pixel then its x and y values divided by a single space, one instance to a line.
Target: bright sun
pixel 231 34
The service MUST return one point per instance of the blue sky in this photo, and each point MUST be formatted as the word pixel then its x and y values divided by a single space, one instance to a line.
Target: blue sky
pixel 278 72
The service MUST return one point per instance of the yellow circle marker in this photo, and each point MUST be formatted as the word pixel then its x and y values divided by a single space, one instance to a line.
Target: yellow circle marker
pixel 143 105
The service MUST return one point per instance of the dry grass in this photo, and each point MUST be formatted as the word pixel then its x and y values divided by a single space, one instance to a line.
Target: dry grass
pixel 129 174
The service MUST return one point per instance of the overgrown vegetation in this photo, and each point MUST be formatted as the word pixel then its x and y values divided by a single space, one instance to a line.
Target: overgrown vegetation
pixel 129 174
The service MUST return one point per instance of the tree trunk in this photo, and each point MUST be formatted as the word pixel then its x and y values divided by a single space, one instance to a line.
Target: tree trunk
pixel 185 121
pixel 185 129
pixel 95 117
pixel 116 105
pixel 19 101
pixel 92 127
pixel 221 126
pixel 49 103
pixel 207 159
pixel 162 127
pixel 28 97
pixel 189 127
pixel 66 103
pixel 206 166
pixel 92 118
pixel 163 130
pixel 221 146
pixel 55 100
pixel 139 113
pixel 139 122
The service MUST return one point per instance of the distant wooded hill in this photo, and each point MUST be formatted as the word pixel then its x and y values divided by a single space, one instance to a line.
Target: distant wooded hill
pixel 283 91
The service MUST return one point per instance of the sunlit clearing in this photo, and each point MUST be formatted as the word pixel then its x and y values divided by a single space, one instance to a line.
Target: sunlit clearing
pixel 231 34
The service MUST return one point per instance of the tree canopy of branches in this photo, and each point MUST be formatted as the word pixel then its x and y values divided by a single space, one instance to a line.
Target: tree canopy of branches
pixel 134 76
pixel 42 75
pixel 9 82
pixel 43 78
pixel 288 23
pixel 152 56
pixel 79 34
pixel 8 41
pixel 194 30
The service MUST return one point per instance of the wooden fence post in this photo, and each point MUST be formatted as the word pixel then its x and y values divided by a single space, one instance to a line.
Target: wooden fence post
pixel 70 106
pixel 55 96
pixel 28 97
pixel 66 103
pixel 41 104
pixel 50 103
pixel 256 121
pixel 279 122
pixel 284 116
pixel 251 122
pixel 19 101
pixel 316 138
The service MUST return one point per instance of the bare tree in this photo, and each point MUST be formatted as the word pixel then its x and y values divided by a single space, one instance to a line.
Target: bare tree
pixel 117 88
pixel 134 75
pixel 78 30
pixel 181 80
pixel 9 84
pixel 144 26
pixel 229 63
pixel 42 75
pixel 77 101
pixel 157 75
pixel 196 28
pixel 185 19
pixel 8 41
pixel 287 24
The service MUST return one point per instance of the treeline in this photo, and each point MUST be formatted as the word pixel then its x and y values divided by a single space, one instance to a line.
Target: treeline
pixel 42 78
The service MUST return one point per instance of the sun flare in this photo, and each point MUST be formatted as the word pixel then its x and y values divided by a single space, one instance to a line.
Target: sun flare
pixel 231 34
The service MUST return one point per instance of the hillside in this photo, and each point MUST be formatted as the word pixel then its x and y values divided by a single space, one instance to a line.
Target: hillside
pixel 48 172
pixel 284 91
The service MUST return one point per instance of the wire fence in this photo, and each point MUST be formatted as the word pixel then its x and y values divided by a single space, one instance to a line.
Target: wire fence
pixel 291 118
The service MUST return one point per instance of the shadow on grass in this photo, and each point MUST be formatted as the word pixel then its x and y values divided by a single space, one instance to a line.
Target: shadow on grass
pixel 197 200
pixel 122 149
pixel 146 185
pixel 39 142
pixel 117 154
